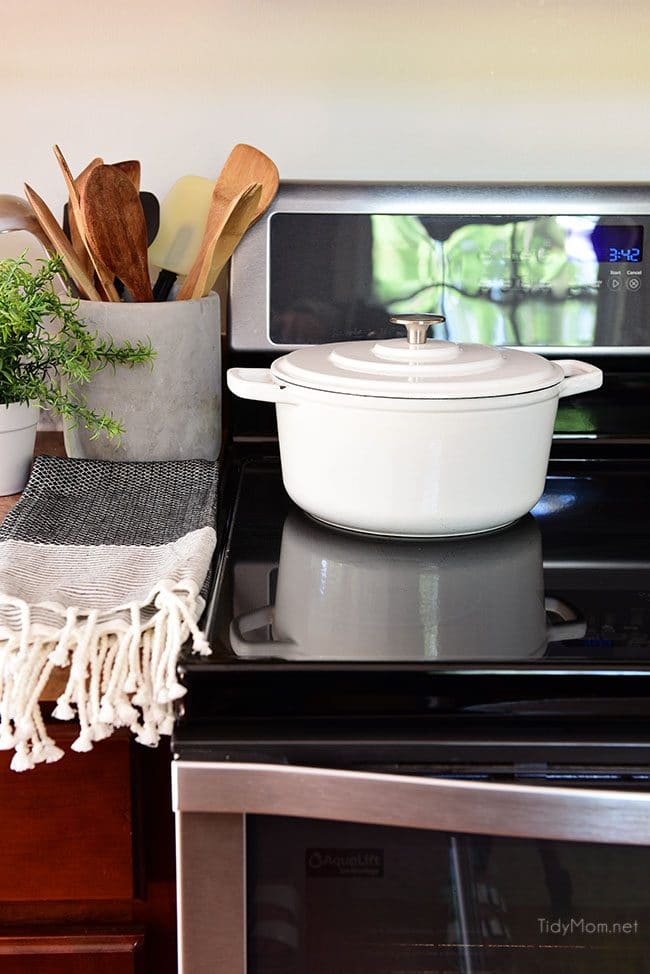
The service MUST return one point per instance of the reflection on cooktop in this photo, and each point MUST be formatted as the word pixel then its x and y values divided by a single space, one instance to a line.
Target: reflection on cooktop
pixel 341 597
pixel 567 585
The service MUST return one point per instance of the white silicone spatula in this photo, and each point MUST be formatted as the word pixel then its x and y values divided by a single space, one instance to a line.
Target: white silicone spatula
pixel 183 217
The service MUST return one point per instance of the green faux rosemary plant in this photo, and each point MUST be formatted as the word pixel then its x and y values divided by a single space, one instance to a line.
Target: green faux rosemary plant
pixel 46 349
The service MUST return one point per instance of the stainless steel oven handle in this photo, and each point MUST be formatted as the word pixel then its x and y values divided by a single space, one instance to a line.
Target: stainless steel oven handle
pixel 438 804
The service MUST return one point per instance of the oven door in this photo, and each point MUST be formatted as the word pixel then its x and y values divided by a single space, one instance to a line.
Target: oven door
pixel 297 870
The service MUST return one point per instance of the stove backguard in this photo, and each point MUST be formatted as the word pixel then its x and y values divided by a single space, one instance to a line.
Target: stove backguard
pixel 554 267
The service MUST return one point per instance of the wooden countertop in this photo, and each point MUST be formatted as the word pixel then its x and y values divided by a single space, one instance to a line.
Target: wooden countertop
pixel 49 443
pixel 52 444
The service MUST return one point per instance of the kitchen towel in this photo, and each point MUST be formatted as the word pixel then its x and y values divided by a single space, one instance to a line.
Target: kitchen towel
pixel 103 571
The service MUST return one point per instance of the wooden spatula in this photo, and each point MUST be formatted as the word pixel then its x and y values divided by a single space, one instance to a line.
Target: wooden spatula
pixel 115 228
pixel 246 165
pixel 61 245
pixel 150 206
pixel 105 278
pixel 131 169
pixel 76 237
pixel 224 230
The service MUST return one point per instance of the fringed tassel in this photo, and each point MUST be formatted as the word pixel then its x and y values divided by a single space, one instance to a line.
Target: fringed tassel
pixel 122 673
pixel 79 669
pixel 25 671
pixel 7 740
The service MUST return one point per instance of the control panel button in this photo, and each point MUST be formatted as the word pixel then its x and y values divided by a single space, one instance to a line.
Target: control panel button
pixel 614 283
pixel 633 283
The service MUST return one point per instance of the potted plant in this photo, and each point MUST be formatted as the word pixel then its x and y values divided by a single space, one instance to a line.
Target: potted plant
pixel 47 352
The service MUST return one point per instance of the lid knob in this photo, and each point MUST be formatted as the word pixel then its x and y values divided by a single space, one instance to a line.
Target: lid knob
pixel 417 326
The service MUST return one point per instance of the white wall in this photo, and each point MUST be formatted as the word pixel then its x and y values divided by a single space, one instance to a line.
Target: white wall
pixel 331 89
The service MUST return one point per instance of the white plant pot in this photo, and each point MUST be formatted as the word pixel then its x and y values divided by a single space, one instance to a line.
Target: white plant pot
pixel 170 408
pixel 17 437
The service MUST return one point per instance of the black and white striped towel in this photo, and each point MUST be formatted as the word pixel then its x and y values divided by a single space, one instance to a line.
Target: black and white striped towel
pixel 103 569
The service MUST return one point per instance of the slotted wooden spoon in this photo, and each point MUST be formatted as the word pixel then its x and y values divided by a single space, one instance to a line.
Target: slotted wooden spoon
pixel 224 230
pixel 115 228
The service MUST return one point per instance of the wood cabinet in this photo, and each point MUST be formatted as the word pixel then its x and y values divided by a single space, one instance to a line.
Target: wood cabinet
pixel 67 827
pixel 87 862
pixel 87 852
pixel 102 952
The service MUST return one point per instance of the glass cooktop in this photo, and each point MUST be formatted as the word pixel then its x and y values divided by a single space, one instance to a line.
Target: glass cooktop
pixel 304 619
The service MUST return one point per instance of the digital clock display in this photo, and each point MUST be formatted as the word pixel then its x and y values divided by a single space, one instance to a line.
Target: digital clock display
pixel 617 245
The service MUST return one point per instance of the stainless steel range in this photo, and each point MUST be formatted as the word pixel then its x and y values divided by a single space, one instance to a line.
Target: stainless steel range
pixel 430 755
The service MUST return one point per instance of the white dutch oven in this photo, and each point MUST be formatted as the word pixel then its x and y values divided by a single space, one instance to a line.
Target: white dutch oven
pixel 344 597
pixel 414 437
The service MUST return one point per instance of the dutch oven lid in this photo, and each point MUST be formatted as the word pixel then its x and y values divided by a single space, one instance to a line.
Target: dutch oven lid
pixel 416 367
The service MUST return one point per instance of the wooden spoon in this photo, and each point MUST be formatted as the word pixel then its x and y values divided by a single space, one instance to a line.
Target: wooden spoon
pixel 224 230
pixel 190 203
pixel 116 229
pixel 16 214
pixel 106 285
pixel 237 224
pixel 60 243
pixel 246 165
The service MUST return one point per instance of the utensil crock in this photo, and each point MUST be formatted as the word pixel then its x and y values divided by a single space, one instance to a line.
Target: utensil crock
pixel 171 408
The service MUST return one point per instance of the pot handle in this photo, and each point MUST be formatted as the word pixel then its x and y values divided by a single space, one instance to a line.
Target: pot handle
pixel 578 377
pixel 571 627
pixel 257 384
pixel 249 622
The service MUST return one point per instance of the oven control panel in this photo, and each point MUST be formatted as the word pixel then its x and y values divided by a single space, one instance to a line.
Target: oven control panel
pixel 553 267
pixel 530 280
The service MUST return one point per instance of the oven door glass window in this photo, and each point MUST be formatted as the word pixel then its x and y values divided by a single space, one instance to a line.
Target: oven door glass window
pixel 340 898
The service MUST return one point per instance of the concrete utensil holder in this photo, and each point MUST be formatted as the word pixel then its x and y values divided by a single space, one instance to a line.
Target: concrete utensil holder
pixel 171 408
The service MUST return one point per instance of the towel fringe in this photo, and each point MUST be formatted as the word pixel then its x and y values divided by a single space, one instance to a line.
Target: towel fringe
pixel 120 674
